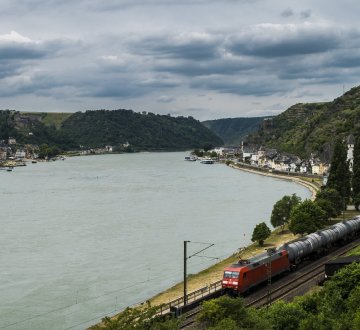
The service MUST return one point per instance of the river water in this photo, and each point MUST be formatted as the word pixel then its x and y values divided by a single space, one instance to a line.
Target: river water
pixel 88 236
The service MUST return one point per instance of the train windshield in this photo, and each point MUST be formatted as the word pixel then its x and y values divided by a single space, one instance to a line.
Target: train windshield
pixel 230 274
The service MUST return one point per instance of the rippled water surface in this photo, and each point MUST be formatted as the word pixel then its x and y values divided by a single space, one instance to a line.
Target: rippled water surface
pixel 85 237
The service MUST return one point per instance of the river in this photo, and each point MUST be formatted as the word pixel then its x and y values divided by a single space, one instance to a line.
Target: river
pixel 88 236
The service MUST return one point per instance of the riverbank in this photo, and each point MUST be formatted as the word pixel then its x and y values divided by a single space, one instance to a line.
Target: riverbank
pixel 313 184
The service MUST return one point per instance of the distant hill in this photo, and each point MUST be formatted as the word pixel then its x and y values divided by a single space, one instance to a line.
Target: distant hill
pixel 234 130
pixel 91 129
pixel 311 127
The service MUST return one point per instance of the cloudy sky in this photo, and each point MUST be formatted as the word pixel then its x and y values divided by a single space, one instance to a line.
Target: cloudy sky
pixel 202 58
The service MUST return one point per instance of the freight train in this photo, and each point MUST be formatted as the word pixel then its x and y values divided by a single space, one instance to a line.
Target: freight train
pixel 239 278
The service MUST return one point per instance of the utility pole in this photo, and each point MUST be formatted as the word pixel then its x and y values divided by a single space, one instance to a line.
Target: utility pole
pixel 185 270
pixel 185 263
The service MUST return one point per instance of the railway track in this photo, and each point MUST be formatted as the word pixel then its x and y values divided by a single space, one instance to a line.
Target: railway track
pixel 286 287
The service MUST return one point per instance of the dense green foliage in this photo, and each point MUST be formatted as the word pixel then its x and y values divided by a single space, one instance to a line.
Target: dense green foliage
pixel 311 127
pixel 234 130
pixel 145 131
pixel 336 306
pixel 356 174
pixel 261 233
pixel 280 214
pixel 333 197
pixel 7 125
pixel 307 217
pixel 96 129
pixel 339 176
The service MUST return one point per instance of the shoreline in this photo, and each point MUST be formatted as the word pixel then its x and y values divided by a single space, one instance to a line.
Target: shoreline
pixel 311 186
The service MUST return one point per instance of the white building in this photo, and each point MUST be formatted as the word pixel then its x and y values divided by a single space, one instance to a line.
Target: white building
pixel 350 141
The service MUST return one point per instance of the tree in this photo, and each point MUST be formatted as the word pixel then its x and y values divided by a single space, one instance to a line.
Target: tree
pixel 307 217
pixel 327 207
pixel 286 316
pixel 333 197
pixel 340 176
pixel 280 214
pixel 356 174
pixel 261 233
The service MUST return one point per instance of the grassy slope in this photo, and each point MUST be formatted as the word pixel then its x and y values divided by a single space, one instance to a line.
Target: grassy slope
pixel 51 118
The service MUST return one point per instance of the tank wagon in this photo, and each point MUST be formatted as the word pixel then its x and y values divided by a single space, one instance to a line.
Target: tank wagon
pixel 246 274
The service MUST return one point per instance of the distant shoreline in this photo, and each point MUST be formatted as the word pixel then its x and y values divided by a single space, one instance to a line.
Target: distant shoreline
pixel 311 186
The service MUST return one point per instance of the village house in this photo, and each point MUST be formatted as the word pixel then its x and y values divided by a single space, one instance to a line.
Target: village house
pixel 350 142
pixel 3 153
pixel 11 140
pixel 20 154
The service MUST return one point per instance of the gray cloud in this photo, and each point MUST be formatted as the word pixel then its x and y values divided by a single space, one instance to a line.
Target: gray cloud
pixel 256 87
pixel 305 13
pixel 144 52
pixel 274 40
pixel 194 46
pixel 287 13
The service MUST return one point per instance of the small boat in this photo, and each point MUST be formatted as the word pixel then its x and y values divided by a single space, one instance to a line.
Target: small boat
pixel 8 169
pixel 207 161
pixel 190 159
pixel 34 161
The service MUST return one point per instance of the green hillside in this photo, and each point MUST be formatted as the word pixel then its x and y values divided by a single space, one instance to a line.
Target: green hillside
pixel 234 130
pixel 91 129
pixel 311 127
pixel 143 131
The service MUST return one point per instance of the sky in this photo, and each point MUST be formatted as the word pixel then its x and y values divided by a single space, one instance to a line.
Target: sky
pixel 208 59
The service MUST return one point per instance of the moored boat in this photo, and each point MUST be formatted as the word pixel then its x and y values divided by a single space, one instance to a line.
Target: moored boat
pixel 207 161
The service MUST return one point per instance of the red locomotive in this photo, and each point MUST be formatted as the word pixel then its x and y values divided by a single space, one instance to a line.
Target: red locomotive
pixel 246 274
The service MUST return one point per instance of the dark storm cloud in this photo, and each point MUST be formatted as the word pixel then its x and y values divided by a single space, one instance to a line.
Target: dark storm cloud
pixel 15 52
pixel 287 13
pixel 194 46
pixel 305 13
pixel 119 88
pixel 8 69
pixel 256 87
pixel 38 84
pixel 273 40
pixel 345 59
pixel 205 68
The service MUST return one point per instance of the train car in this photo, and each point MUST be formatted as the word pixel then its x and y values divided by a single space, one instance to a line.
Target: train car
pixel 241 277
pixel 319 242
pixel 246 274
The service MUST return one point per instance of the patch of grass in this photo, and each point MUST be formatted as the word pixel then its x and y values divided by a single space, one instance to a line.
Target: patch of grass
pixel 354 252
pixel 56 119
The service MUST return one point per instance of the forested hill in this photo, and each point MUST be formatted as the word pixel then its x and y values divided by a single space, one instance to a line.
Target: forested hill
pixel 234 130
pixel 311 127
pixel 145 131
pixel 98 128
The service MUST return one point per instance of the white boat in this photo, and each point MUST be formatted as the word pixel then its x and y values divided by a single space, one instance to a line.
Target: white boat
pixel 207 161
pixel 190 158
